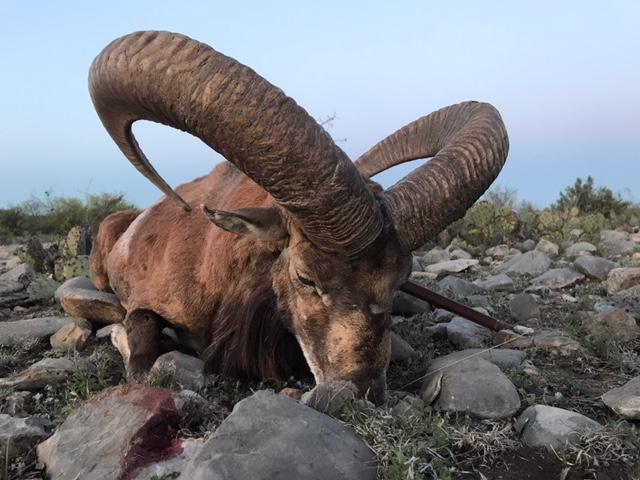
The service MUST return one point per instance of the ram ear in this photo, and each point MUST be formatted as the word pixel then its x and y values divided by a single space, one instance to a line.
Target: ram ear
pixel 256 223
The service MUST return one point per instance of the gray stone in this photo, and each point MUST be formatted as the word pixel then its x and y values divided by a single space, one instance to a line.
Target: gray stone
pixel 416 266
pixel 457 286
pixel 35 329
pixel 548 248
pixel 614 242
pixel 458 253
pixel 18 435
pixel 504 358
pixel 440 315
pixel 614 323
pixel 435 255
pixel 553 341
pixel 557 278
pixel 79 298
pixel 269 436
pixel 466 334
pixel 188 371
pixel 526 246
pixel 594 267
pixel 552 427
pixel 620 279
pixel 119 431
pixel 625 400
pixel 16 279
pixel 501 251
pixel 451 266
pixel 574 235
pixel 408 305
pixel 47 371
pixel 530 263
pixel 579 249
pixel 82 283
pixel 500 282
pixel 401 351
pixel 16 402
pixel 171 467
pixel 524 307
pixel 474 386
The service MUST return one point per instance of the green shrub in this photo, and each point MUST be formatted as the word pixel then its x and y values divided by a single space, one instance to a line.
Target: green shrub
pixel 587 198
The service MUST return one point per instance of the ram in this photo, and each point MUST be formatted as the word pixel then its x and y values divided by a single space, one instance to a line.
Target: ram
pixel 285 258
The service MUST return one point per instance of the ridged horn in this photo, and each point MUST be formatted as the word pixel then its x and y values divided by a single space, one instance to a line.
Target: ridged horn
pixel 468 144
pixel 172 79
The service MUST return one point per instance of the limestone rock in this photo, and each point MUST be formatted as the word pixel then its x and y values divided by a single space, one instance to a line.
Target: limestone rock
pixel 555 342
pixel 408 305
pixel 71 336
pixel 620 279
pixel 579 249
pixel 625 400
pixel 524 307
pixel 557 278
pixel 530 263
pixel 615 242
pixel 474 386
pixel 500 282
pixel 464 333
pixel 35 329
pixel 548 248
pixel 79 298
pixel 458 253
pixel 435 255
pixel 451 266
pixel 45 372
pixel 459 287
pixel 594 267
pixel 114 434
pixel 614 323
pixel 188 371
pixel 16 279
pixel 18 435
pixel 552 427
pixel 269 436
pixel 401 351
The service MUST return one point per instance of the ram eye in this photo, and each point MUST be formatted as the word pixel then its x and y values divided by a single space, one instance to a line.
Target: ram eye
pixel 306 281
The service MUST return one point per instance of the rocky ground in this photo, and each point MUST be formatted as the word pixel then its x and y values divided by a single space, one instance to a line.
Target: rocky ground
pixel 556 397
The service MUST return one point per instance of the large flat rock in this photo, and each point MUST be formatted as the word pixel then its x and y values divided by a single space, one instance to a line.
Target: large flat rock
pixel 269 436
pixel 35 329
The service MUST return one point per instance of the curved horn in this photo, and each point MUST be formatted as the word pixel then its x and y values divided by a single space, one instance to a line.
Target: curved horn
pixel 469 145
pixel 172 79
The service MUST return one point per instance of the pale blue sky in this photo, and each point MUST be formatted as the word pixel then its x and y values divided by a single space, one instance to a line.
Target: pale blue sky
pixel 565 76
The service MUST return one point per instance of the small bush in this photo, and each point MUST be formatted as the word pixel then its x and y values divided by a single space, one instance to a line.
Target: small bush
pixel 587 198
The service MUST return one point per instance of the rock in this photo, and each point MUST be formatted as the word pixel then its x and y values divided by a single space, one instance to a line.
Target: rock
pixel 579 249
pixel 19 435
pixel 71 336
pixel 416 266
pixel 547 247
pixel 435 255
pixel 188 371
pixel 269 436
pixel 36 255
pixel 451 266
pixel 594 267
pixel 553 428
pixel 457 286
pixel 401 351
pixel 330 397
pixel 615 324
pixel 620 279
pixel 524 307
pixel 121 342
pixel 503 358
pixel 614 242
pixel 553 341
pixel 465 334
pixel 574 235
pixel 408 305
pixel 500 252
pixel 440 315
pixel 47 371
pixel 474 386
pixel 632 292
pixel 78 242
pixel 557 278
pixel 105 332
pixel 458 254
pixel 171 467
pixel 79 298
pixel 112 435
pixel 530 263
pixel 16 402
pixel 35 329
pixel 500 282
pixel 526 246
pixel 625 400
pixel 16 279
pixel 409 405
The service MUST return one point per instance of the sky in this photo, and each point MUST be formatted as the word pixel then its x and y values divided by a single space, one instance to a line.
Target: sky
pixel 564 75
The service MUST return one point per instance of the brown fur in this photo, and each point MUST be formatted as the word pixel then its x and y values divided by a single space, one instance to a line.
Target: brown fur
pixel 240 297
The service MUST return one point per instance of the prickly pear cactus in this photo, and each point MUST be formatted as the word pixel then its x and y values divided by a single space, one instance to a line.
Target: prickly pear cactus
pixel 67 268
